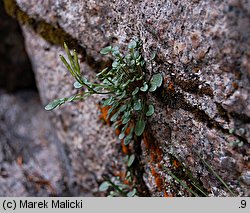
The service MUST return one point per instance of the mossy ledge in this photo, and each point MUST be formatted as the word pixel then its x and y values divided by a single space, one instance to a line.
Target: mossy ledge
pixel 50 33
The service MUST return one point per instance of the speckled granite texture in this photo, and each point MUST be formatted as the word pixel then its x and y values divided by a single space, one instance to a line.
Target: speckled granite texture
pixel 203 52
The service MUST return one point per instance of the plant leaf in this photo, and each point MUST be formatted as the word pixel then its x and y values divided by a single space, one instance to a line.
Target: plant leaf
pixel 144 88
pixel 122 135
pixel 153 87
pixel 131 160
pixel 139 127
pixel 132 193
pixel 106 50
pixel 125 120
pixel 127 140
pixel 132 45
pixel 138 105
pixel 77 85
pixel 54 104
pixel 135 91
pixel 157 79
pixel 102 73
pixel 150 111
pixel 104 186
pixel 123 108
pixel 115 116
pixel 108 101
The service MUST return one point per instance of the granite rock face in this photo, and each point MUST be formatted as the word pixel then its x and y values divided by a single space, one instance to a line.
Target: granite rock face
pixel 15 67
pixel 202 117
pixel 31 161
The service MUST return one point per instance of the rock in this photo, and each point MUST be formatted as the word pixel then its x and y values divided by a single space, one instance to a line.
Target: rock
pixel 15 67
pixel 202 51
pixel 31 163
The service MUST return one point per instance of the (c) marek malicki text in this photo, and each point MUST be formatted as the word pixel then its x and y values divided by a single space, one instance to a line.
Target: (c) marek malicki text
pixel 54 204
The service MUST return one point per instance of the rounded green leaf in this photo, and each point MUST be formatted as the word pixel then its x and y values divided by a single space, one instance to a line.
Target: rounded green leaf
pixel 131 160
pixel 115 116
pixel 157 79
pixel 108 101
pixel 132 193
pixel 125 120
pixel 144 88
pixel 104 186
pixel 127 140
pixel 150 111
pixel 77 85
pixel 54 104
pixel 135 91
pixel 153 87
pixel 115 64
pixel 132 45
pixel 138 105
pixel 123 108
pixel 122 135
pixel 139 127
pixel 106 50
pixel 115 51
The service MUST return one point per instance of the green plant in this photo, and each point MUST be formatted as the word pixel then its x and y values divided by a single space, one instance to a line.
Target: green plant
pixel 124 86
pixel 118 189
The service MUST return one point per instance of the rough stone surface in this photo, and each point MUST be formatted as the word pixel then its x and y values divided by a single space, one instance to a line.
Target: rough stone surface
pixel 32 163
pixel 203 52
pixel 15 67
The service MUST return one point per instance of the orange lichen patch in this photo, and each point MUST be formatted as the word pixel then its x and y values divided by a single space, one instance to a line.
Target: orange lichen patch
pixel 159 166
pixel 176 164
pixel 158 179
pixel 154 150
pixel 117 131
pixel 159 153
pixel 153 172
pixel 104 114
pixel 125 149
pixel 165 80
pixel 159 183
pixel 120 174
pixel 171 86
pixel 235 85
pixel 166 194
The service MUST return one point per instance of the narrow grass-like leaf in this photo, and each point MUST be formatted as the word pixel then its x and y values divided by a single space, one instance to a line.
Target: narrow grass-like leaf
pixel 216 175
pixel 77 63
